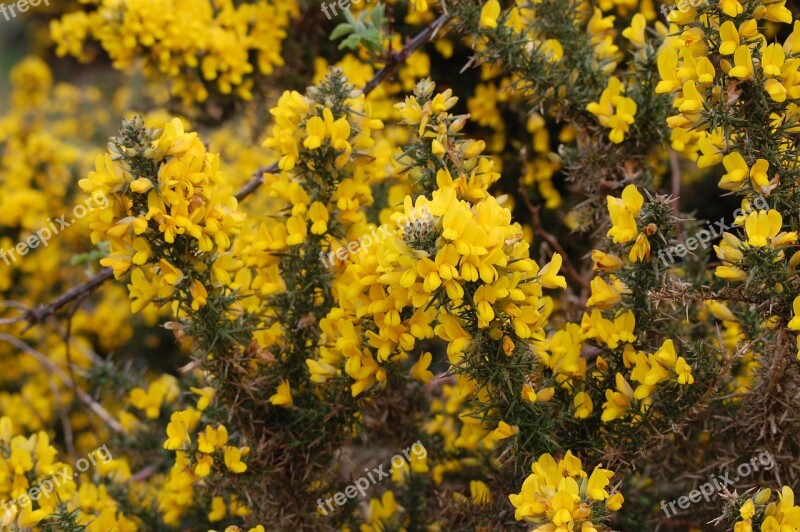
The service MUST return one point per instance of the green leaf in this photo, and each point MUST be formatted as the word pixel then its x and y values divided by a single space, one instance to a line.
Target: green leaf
pixel 351 42
pixel 341 30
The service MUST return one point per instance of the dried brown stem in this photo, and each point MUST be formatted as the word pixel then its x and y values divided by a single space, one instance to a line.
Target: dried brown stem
pixel 82 396
pixel 536 220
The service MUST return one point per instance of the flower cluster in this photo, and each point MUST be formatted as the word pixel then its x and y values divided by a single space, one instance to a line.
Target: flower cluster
pixel 462 258
pixel 169 202
pixel 199 47
pixel 771 515
pixel 562 496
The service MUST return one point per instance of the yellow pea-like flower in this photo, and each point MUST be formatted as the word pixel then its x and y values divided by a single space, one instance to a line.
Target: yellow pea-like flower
pixel 743 60
pixel 489 14
pixel 233 459
pixel 283 397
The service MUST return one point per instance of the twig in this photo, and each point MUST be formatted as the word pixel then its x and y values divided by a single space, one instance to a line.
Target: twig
pixel 676 189
pixel 536 220
pixel 35 315
pixel 398 58
pixel 392 64
pixel 69 437
pixel 143 475
pixel 82 396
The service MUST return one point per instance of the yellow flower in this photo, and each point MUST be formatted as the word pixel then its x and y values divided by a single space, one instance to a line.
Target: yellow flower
pixel 319 217
pixel 730 38
pixel 178 430
pixel 583 405
pixel 605 261
pixel 544 395
pixel 6 429
pixel 504 430
pixel 480 493
pixel 297 230
pixel 622 212
pixel 320 371
pixel 598 481
pixel 684 371
pixel 204 464
pixel 233 459
pixel 212 439
pixel 489 14
pixel 199 295
pixel 206 396
pixel 772 60
pixel 732 8
pixel 315 132
pixel 748 509
pixel 641 249
pixel 603 296
pixel 617 402
pixel 283 397
pixel 731 273
pixel 141 185
pixel 635 33
pixel 794 324
pixel 614 502
pixel 743 60
pixel 548 276
pixel 218 510
pixel 763 228
pixel 420 370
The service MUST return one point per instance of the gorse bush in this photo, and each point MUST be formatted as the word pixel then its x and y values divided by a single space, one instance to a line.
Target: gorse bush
pixel 401 266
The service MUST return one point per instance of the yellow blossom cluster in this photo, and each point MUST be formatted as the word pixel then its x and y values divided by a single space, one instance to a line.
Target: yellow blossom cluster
pixel 562 496
pixel 168 188
pixel 773 516
pixel 35 485
pixel 200 47
pixel 464 258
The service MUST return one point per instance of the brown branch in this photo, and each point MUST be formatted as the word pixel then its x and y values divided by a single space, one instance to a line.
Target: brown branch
pixel 393 63
pixel 82 396
pixel 536 221
pixel 38 314
pixel 397 59
pixel 677 178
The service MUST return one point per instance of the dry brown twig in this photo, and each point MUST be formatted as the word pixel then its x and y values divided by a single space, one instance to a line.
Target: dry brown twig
pixel 536 221
pixel 82 396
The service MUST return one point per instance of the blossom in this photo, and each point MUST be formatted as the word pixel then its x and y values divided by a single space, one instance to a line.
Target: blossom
pixel 489 14
pixel 283 397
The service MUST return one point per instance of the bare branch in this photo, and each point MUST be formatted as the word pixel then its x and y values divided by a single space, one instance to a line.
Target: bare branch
pixel 82 396
pixel 536 221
